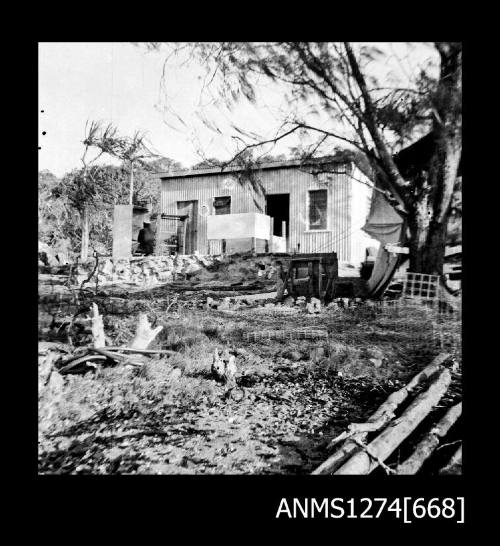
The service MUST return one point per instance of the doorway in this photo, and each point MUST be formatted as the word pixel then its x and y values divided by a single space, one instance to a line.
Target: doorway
pixel 188 230
pixel 278 208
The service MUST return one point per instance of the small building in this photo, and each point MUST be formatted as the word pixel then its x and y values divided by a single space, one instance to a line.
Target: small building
pixel 285 206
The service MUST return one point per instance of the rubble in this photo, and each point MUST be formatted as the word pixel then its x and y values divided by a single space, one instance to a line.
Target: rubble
pixel 314 306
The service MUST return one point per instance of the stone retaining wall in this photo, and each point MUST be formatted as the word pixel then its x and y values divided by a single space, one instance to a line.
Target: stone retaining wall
pixel 164 269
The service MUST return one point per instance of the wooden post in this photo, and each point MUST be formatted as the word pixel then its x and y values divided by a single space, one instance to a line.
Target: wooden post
pixel 184 229
pixel 271 234
pixel 158 248
pixel 283 234
pixel 282 282
pixel 319 272
pixel 254 245
pixel 84 254
pixel 293 274
pixel 310 273
pixel 131 188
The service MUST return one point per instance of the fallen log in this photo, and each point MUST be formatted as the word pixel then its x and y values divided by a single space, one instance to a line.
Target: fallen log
pixel 429 443
pixel 116 357
pixel 397 430
pixel 143 351
pixel 385 412
pixel 73 365
pixel 454 465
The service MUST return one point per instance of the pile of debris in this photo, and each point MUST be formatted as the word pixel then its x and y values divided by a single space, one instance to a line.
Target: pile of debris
pixel 79 360
pixel 266 302
pixel 356 453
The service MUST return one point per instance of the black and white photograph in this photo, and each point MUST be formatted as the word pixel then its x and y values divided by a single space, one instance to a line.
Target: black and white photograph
pixel 250 260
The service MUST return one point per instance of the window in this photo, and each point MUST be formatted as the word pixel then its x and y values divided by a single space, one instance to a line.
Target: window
pixel 222 205
pixel 317 209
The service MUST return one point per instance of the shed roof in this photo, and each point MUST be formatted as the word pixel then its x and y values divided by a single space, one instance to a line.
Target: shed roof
pixel 338 158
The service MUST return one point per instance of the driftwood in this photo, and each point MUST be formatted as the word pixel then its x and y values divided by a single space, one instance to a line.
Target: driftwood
pixel 98 337
pixel 357 432
pixel 398 429
pixel 143 351
pixel 144 334
pixel 454 464
pixel 429 443
pixel 74 364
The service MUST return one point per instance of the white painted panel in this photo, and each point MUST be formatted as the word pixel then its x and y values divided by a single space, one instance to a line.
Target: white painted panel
pixel 279 244
pixel 362 194
pixel 238 226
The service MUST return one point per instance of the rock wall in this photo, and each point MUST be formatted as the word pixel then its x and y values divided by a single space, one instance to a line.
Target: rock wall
pixel 153 270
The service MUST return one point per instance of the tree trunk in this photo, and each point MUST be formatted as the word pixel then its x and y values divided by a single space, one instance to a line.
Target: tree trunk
pixel 427 197
pixel 427 241
pixel 433 186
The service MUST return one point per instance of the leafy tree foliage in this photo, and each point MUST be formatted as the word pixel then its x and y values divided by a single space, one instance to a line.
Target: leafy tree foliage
pixel 62 201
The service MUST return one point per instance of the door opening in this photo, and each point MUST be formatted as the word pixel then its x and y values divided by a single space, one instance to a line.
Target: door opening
pixel 188 239
pixel 278 208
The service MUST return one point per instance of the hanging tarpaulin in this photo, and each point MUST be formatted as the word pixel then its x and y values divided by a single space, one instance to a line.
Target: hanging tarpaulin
pixel 384 268
pixel 383 223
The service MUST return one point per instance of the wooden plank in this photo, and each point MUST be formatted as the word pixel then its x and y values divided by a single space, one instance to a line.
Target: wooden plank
pixel 319 276
pixel 397 249
pixel 184 231
pixel 281 290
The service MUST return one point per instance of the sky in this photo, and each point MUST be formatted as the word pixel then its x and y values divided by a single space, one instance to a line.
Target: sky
pixel 120 83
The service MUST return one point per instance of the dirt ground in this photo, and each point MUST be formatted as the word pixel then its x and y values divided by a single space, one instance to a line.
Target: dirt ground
pixel 172 417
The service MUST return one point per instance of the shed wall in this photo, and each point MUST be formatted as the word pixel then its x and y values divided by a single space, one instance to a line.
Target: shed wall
pixel 244 198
